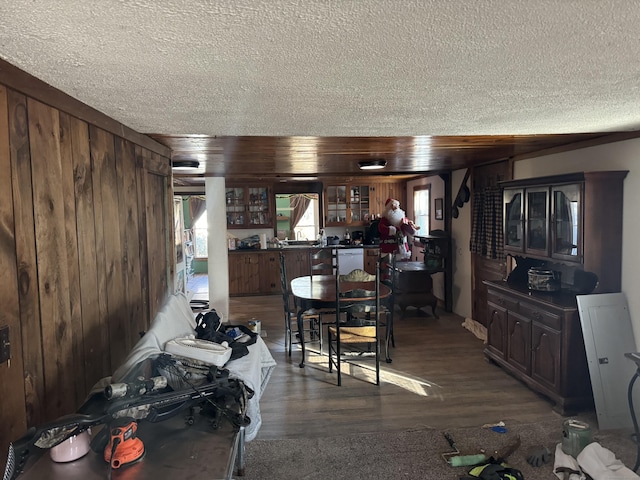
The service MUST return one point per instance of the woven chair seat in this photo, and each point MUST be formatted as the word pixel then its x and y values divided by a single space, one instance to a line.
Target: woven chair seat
pixel 364 334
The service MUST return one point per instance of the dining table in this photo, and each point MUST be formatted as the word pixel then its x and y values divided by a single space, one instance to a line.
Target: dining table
pixel 319 291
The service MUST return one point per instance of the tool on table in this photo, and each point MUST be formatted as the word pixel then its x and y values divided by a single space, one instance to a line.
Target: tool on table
pixel 454 458
pixel 124 446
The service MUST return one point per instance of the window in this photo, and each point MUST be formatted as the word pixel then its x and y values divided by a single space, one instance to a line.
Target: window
pixel 307 227
pixel 421 204
pixel 200 236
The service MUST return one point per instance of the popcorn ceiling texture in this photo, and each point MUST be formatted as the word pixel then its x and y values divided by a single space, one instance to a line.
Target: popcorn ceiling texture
pixel 338 67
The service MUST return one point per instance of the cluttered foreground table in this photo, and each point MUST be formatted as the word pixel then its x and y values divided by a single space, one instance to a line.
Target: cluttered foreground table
pixel 173 449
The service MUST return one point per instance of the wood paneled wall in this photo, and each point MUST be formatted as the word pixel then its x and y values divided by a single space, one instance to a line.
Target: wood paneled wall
pixel 84 251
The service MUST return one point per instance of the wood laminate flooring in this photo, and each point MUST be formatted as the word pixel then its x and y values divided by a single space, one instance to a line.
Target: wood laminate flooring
pixel 439 378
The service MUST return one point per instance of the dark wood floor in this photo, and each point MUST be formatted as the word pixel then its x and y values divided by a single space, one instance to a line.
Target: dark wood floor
pixel 438 378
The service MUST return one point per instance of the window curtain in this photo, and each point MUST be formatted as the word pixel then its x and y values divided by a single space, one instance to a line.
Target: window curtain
pixel 197 206
pixel 486 228
pixel 299 203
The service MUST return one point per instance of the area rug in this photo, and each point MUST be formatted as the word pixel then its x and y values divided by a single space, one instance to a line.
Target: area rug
pixel 413 454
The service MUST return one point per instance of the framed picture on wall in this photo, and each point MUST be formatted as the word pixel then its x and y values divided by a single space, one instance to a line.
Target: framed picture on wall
pixel 438 208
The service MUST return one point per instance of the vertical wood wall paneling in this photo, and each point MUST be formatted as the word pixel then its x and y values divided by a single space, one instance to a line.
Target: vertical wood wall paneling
pixel 93 301
pixel 158 204
pixel 142 235
pixel 101 267
pixel 104 163
pixel 71 228
pixel 51 251
pixel 13 413
pixel 25 249
pixel 131 242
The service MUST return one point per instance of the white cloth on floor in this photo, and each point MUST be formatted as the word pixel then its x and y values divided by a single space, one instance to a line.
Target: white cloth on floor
pixel 561 459
pixel 602 464
pixel 596 461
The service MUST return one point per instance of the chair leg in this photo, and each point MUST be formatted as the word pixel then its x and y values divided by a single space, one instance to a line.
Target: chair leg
pixel 338 353
pixel 287 334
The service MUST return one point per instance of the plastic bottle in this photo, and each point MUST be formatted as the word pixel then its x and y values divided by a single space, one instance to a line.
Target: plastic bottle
pixel 323 238
pixel 347 237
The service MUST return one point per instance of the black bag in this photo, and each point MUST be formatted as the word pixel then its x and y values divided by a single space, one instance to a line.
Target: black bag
pixel 207 325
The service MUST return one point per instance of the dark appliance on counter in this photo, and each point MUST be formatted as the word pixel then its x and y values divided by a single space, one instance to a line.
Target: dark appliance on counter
pixel 357 237
pixel 372 234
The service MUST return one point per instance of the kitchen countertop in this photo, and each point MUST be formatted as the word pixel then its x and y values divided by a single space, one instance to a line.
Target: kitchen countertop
pixel 302 247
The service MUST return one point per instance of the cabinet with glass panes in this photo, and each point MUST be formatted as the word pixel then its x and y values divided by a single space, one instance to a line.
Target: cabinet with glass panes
pixel 248 206
pixel 572 219
pixel 347 204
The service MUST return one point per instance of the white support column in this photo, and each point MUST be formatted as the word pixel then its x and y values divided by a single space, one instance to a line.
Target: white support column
pixel 218 264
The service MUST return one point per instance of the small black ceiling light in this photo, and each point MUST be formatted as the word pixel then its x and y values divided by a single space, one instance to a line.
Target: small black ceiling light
pixel 375 164
pixel 184 164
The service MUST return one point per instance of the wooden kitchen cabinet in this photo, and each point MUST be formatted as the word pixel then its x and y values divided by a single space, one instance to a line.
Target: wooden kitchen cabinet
pixel 371 259
pixel 297 262
pixel 347 204
pixel 249 206
pixel 257 272
pixel 357 203
pixel 269 273
pixel 537 338
pixel 381 191
pixel 244 272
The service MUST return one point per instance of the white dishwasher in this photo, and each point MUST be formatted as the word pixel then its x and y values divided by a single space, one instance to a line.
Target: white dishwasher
pixel 349 259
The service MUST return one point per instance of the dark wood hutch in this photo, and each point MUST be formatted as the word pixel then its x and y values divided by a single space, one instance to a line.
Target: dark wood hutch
pixel 567 223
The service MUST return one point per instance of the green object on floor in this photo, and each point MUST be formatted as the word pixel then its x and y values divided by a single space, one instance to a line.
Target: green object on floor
pixel 467 460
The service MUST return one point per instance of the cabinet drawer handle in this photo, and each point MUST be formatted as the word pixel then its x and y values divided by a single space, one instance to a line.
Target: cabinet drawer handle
pixel 501 301
pixel 536 315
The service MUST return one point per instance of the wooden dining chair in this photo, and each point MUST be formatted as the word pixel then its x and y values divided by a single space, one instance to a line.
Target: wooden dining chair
pixel 311 318
pixel 386 269
pixel 359 333
pixel 323 261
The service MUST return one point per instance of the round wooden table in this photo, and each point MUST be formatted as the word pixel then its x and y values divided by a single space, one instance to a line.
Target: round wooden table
pixel 319 291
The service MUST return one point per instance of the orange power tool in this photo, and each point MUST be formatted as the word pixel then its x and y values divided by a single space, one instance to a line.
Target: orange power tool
pixel 124 446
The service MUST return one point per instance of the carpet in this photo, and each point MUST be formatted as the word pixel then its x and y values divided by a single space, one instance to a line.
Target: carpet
pixel 412 454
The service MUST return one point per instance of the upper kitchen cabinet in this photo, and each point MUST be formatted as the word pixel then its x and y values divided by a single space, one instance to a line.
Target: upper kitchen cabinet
pixel 575 219
pixel 358 203
pixel 249 206
pixel 347 205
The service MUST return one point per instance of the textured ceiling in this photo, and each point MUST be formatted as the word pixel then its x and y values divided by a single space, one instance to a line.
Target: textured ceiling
pixel 338 67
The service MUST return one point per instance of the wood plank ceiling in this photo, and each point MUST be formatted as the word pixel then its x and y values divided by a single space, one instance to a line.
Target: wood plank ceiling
pixel 307 157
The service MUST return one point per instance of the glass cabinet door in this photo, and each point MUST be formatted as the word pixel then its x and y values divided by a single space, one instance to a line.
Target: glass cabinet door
pixel 336 204
pixel 235 206
pixel 359 201
pixel 537 221
pixel 248 207
pixel 258 206
pixel 513 220
pixel 566 222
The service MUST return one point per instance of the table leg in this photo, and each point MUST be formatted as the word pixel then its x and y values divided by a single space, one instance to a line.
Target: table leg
pixel 240 460
pixel 388 336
